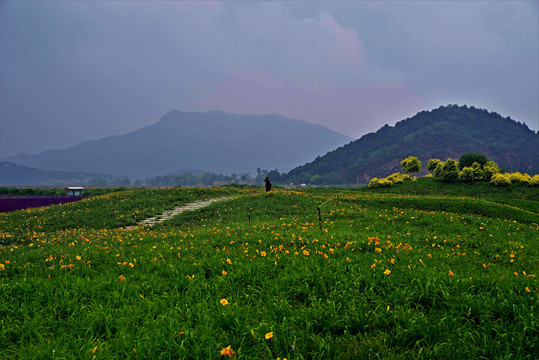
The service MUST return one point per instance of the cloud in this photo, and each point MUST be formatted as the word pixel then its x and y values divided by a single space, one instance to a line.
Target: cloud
pixel 266 36
pixel 106 68
pixel 350 110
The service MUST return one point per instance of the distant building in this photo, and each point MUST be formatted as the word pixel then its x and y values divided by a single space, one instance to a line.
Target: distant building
pixel 74 190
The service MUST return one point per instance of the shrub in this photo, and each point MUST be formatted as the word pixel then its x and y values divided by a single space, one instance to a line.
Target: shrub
pixel 379 183
pixel 501 179
pixel 384 183
pixel 373 184
pixel 534 181
pixel 398 178
pixel 520 178
pixel 466 174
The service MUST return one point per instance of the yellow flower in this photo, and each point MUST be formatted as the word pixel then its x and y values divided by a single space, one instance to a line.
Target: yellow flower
pixel 94 350
pixel 387 272
pixel 227 351
pixel 228 261
pixel 528 289
pixel 224 273
pixel 121 277
pixel 263 253
pixel 224 302
pixel 450 273
pixel 78 257
pixel 269 335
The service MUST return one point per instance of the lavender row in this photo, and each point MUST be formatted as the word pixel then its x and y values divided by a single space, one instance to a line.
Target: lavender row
pixel 12 204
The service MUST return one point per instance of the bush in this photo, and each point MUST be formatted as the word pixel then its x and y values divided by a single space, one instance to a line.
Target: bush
pixel 373 184
pixel 398 178
pixel 534 181
pixel 384 183
pixel 501 179
pixel 466 174
pixel 490 169
pixel 520 178
pixel 379 183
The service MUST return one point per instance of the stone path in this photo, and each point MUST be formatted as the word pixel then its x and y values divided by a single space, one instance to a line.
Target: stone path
pixel 171 213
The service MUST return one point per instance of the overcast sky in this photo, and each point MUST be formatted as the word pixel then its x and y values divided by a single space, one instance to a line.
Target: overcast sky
pixel 80 70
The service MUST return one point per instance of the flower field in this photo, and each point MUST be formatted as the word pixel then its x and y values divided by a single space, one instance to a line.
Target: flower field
pixel 267 276
pixel 17 203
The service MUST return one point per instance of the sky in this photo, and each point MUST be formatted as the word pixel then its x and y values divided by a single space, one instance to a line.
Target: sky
pixel 72 71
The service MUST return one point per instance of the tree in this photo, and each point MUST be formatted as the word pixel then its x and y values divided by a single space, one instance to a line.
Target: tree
pixel 431 166
pixel 467 160
pixel 439 170
pixel 411 165
pixel 450 170
pixel 490 169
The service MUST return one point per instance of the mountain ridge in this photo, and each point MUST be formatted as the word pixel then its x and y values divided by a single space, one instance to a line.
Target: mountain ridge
pixel 186 141
pixel 448 131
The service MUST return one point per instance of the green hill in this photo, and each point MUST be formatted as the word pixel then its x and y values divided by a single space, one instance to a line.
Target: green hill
pixel 445 132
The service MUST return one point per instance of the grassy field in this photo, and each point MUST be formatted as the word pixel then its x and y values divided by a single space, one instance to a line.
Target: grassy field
pixel 410 274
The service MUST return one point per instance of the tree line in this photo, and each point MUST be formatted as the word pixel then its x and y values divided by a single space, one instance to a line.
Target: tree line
pixel 469 167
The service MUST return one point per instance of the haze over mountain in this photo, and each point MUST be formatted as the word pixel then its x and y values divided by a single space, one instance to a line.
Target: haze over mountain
pixel 445 132
pixel 185 141
pixel 16 175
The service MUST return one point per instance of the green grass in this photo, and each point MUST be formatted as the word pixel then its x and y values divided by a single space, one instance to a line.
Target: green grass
pixel 388 276
pixel 522 196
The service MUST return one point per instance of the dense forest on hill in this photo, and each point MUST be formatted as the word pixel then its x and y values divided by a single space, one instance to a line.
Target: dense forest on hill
pixel 445 132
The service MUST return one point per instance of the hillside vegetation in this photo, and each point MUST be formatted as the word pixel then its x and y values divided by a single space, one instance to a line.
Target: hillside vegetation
pixel 403 272
pixel 445 132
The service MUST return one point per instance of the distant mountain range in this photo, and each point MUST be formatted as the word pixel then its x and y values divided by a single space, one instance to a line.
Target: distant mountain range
pixel 446 132
pixel 193 142
pixel 225 143
pixel 17 175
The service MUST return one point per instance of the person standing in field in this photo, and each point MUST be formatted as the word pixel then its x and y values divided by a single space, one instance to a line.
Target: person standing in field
pixel 268 184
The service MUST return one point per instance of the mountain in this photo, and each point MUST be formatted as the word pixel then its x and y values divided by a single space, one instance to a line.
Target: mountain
pixel 183 141
pixel 16 175
pixel 446 132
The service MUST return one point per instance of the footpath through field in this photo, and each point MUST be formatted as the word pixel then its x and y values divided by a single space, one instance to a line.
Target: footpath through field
pixel 171 213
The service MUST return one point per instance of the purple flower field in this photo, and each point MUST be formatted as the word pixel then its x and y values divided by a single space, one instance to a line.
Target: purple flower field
pixel 17 203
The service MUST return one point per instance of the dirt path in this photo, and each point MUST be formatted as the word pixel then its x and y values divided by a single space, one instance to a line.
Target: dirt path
pixel 171 213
